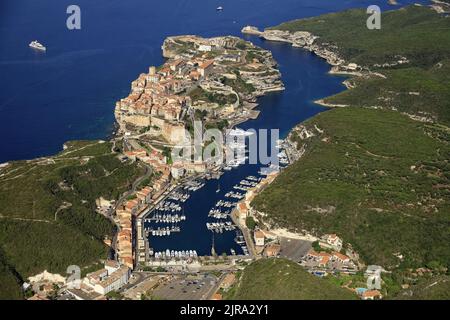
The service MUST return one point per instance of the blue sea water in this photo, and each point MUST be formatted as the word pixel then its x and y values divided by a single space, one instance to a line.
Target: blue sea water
pixel 69 92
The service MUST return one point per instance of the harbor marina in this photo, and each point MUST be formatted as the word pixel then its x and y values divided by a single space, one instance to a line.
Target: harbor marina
pixel 196 215
pixel 277 111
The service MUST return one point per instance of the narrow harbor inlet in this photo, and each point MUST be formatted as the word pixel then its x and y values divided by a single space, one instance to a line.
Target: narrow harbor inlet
pixel 194 219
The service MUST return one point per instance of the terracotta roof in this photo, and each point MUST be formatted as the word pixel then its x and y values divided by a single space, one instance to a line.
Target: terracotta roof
pixel 272 250
pixel 131 204
pixel 341 256
pixel 216 296
pixel 259 234
pixel 112 263
pixel 242 206
pixel 371 294
pixel 128 261
pixel 324 260
pixel 37 297
pixel 313 253
pixel 229 279
pixel 325 254
pixel 206 64
pixel 194 74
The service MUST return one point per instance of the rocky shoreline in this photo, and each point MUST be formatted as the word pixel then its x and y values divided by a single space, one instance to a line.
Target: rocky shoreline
pixel 306 40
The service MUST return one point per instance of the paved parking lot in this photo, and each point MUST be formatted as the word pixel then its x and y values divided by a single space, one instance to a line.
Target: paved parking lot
pixel 187 288
pixel 294 249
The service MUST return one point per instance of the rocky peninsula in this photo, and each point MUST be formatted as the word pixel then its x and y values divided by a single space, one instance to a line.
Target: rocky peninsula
pixel 216 79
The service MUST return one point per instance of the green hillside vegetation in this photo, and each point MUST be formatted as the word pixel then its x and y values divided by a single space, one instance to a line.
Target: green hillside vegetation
pixel 419 34
pixel 239 85
pixel 415 32
pixel 423 92
pixel 211 97
pixel 30 247
pixel 10 284
pixel 432 288
pixel 281 279
pixel 47 207
pixel 385 178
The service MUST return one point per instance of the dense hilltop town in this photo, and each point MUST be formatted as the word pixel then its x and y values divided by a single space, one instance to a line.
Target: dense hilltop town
pixel 215 78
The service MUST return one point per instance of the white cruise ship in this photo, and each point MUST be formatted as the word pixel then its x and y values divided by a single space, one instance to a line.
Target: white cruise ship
pixel 36 45
pixel 239 132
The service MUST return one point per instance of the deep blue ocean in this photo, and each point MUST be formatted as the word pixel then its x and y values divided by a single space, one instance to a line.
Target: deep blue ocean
pixel 69 92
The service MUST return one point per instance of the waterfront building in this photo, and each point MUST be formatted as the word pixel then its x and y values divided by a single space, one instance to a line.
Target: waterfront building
pixel 259 238
pixel 103 282
pixel 243 209
pixel 177 171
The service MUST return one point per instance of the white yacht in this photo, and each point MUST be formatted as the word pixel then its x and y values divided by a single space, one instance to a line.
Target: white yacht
pixel 36 45
pixel 239 132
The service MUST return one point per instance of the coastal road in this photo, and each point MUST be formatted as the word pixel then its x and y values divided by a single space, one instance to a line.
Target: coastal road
pixel 208 295
pixel 135 184
pixel 246 233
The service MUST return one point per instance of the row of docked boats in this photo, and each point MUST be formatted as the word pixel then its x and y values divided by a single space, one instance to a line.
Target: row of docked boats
pixel 225 204
pixel 167 212
pixel 162 231
pixel 168 206
pixel 240 240
pixel 194 185
pixel 241 187
pixel 220 227
pixel 234 163
pixel 166 218
pixel 234 195
pixel 218 214
pixel 183 254
pixel 179 196
pixel 247 183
